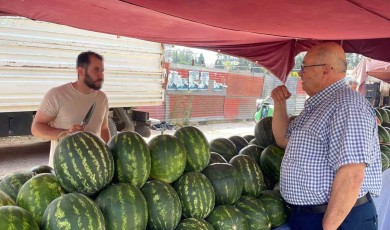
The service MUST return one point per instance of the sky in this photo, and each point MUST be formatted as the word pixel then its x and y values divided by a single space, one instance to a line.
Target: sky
pixel 209 56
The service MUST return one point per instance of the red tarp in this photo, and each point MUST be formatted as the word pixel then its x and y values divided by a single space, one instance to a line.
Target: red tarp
pixel 269 32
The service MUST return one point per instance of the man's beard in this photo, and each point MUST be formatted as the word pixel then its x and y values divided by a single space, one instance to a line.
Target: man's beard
pixel 90 83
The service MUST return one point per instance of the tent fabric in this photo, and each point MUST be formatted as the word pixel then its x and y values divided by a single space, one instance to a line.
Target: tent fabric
pixel 268 32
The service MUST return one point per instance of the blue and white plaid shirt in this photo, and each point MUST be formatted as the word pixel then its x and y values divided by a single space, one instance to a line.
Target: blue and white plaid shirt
pixel 337 127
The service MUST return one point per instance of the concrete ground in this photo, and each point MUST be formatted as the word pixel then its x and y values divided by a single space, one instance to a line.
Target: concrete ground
pixel 22 153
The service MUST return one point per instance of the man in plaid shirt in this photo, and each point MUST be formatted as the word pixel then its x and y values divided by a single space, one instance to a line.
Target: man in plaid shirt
pixel 332 162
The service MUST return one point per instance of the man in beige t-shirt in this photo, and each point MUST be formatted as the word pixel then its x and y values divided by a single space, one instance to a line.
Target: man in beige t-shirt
pixel 63 108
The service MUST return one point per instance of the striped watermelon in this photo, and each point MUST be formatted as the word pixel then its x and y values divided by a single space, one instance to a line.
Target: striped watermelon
pixel 168 158
pixel 379 116
pixel 216 158
pixel 239 142
pixel 72 211
pixel 16 218
pixel 274 206
pixel 12 183
pixel 263 132
pixel 5 199
pixel 249 137
pixel 227 182
pixel 196 194
pixel 42 169
pixel 197 146
pixel 194 224
pixel 164 208
pixel 383 135
pixel 83 163
pixel 223 146
pixel 385 150
pixel 37 193
pixel 385 162
pixel 251 174
pixel 270 162
pixel 227 217
pixel 253 151
pixel 132 158
pixel 123 205
pixel 254 212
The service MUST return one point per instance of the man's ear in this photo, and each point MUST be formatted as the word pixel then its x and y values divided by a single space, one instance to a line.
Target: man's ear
pixel 80 71
pixel 327 69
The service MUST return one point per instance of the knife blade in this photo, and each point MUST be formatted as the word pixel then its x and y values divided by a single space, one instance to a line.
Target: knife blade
pixel 88 115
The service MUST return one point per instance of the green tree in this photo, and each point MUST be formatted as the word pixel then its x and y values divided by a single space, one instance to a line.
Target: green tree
pixel 200 60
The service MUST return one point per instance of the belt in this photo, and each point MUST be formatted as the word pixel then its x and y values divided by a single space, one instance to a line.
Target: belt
pixel 322 208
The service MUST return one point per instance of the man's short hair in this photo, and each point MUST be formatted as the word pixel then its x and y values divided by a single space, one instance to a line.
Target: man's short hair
pixel 83 58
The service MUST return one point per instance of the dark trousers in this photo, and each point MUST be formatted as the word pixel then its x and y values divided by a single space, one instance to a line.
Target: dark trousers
pixel 363 217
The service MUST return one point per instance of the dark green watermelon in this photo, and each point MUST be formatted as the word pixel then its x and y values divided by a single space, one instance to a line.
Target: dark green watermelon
pixel 168 158
pixel 227 217
pixel 14 217
pixel 225 147
pixel 12 183
pixel 383 135
pixel 83 163
pixel 270 162
pixel 5 199
pixel 37 193
pixel 251 174
pixel 385 162
pixel 42 169
pixel 216 158
pixel 194 224
pixel 385 150
pixel 255 213
pixel 274 206
pixel 249 137
pixel 252 151
pixel 196 194
pixel 385 117
pixel 254 142
pixel 164 207
pixel 132 158
pixel 378 115
pixel 239 142
pixel 227 182
pixel 73 210
pixel 197 146
pixel 263 132
pixel 123 205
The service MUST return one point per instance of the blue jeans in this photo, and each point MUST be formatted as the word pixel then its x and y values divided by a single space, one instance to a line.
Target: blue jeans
pixel 362 217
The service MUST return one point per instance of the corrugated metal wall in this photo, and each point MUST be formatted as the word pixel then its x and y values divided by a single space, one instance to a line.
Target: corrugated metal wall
pixel 36 56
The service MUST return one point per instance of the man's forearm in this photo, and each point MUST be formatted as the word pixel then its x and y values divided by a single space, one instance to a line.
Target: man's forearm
pixel 46 132
pixel 345 191
pixel 280 124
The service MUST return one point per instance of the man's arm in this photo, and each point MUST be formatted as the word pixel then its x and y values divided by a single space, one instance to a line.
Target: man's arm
pixel 41 128
pixel 280 118
pixel 345 191
pixel 105 131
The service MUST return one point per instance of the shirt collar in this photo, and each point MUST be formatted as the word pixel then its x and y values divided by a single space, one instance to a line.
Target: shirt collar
pixel 313 101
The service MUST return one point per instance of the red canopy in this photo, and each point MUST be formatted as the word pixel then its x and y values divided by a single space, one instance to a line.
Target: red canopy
pixel 269 32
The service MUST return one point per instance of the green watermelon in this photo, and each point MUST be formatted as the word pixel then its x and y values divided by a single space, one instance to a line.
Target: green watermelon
pixel 194 224
pixel 123 205
pixel 274 206
pixel 72 211
pixel 42 169
pixel 263 132
pixel 385 150
pixel 378 115
pixel 225 147
pixel 386 124
pixel 5 199
pixel 164 208
pixel 12 183
pixel 197 146
pixel 248 137
pixel 251 174
pixel 252 151
pixel 16 218
pixel 83 163
pixel 239 142
pixel 37 193
pixel 385 117
pixel 216 158
pixel 132 158
pixel 254 142
pixel 227 217
pixel 385 162
pixel 270 162
pixel 227 182
pixel 383 135
pixel 196 194
pixel 168 158
pixel 254 212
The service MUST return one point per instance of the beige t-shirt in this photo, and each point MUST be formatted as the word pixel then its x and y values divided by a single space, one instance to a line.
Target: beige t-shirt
pixel 69 107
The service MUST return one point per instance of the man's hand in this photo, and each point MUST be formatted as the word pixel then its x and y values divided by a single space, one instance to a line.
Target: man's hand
pixel 76 128
pixel 280 94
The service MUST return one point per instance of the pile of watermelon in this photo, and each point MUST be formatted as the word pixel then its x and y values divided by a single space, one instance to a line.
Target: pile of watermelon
pixel 383 120
pixel 178 181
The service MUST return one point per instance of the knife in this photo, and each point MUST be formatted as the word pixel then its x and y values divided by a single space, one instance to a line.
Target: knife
pixel 88 115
